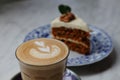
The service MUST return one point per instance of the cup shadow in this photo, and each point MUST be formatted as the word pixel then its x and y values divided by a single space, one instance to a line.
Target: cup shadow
pixel 97 67
pixel 17 77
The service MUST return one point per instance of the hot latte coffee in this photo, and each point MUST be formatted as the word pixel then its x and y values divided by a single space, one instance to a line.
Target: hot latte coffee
pixel 42 51
pixel 42 59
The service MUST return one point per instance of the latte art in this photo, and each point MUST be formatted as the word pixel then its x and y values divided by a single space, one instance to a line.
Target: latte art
pixel 42 51
pixel 45 51
pixel 42 46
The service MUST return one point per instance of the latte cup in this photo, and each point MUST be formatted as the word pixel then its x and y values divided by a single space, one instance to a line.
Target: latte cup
pixel 42 59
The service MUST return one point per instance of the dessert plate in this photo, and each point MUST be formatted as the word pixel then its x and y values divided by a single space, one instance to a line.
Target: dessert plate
pixel 101 45
pixel 69 75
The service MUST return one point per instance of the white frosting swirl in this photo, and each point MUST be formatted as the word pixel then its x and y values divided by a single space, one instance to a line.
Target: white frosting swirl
pixel 77 23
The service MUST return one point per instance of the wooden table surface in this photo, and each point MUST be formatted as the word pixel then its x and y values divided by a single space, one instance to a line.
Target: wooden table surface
pixel 18 17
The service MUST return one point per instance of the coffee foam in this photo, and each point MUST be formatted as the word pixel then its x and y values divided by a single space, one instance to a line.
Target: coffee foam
pixel 42 51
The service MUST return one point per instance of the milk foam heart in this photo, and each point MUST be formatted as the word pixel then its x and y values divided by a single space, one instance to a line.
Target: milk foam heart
pixel 42 46
pixel 40 43
pixel 45 51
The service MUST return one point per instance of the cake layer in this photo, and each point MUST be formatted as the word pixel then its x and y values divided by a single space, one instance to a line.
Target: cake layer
pixel 77 47
pixel 77 24
pixel 70 40
pixel 73 35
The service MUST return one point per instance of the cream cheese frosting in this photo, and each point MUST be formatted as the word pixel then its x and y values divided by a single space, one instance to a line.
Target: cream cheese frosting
pixel 78 23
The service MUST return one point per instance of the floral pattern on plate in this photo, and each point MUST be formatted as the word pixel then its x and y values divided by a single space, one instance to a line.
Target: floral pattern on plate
pixel 101 45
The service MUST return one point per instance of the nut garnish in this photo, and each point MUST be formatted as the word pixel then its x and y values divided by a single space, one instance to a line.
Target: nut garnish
pixel 67 17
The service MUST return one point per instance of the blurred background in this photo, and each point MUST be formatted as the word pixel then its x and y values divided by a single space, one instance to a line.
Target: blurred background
pixel 19 17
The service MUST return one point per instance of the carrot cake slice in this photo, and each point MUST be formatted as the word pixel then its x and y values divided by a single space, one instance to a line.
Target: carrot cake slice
pixel 72 30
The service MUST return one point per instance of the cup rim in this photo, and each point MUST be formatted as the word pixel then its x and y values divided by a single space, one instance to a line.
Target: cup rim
pixel 68 52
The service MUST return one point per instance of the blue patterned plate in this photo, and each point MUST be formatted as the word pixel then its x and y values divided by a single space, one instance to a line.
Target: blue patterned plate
pixel 100 49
